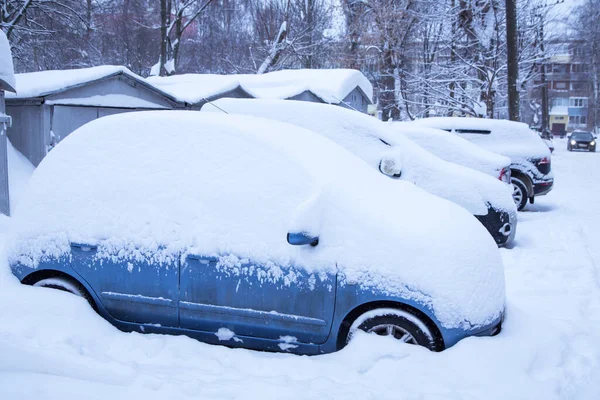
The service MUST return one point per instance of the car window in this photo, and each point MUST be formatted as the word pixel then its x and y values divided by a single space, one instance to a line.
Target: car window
pixel 477 131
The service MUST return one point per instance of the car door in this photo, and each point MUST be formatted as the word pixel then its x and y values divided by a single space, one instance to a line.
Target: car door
pixel 132 290
pixel 257 300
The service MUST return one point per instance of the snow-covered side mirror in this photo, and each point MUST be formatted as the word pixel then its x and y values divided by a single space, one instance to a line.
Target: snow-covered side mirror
pixel 302 238
pixel 307 219
pixel 391 165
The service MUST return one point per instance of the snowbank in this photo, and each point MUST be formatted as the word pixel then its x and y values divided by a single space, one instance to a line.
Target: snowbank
pixel 218 184
pixel 454 149
pixel 509 138
pixel 363 135
pixel 20 170
pixel 35 84
pixel 330 85
pixel 6 65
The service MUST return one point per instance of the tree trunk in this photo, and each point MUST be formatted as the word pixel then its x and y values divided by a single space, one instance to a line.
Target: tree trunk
pixel 163 37
pixel 512 60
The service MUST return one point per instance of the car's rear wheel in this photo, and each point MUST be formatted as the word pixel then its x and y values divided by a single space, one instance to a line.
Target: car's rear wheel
pixel 520 194
pixel 66 285
pixel 399 324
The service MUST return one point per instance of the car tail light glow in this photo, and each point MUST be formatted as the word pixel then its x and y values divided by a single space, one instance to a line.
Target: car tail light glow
pixel 545 160
pixel 505 175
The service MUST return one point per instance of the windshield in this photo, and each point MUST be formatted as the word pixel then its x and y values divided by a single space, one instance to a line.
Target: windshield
pixel 582 136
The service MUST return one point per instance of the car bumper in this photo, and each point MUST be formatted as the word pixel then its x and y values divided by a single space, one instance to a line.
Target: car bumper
pixel 501 225
pixel 542 188
pixel 453 336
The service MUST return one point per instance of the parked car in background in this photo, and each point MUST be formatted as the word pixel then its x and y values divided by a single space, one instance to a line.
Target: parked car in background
pixel 580 140
pixel 251 233
pixel 457 150
pixel 394 155
pixel 531 174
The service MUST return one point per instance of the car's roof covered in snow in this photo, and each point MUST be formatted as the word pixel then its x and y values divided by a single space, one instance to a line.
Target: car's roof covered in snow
pixel 363 136
pixel 158 183
pixel 454 148
pixel 509 138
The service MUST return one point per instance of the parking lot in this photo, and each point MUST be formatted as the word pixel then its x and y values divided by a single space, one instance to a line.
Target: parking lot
pixel 54 346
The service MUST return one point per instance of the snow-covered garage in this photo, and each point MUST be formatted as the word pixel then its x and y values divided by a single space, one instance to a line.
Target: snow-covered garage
pixel 7 84
pixel 50 105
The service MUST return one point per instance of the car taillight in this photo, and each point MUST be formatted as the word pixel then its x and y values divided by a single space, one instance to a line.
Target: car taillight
pixel 505 175
pixel 545 160
pixel 543 165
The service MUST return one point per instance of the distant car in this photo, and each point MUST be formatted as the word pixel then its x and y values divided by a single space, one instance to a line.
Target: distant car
pixel 251 233
pixel 394 155
pixel 580 140
pixel 454 149
pixel 531 174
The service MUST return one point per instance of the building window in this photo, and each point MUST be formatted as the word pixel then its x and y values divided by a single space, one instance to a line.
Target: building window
pixel 578 102
pixel 558 68
pixel 578 68
pixel 560 85
pixel 560 101
pixel 577 120
pixel 578 85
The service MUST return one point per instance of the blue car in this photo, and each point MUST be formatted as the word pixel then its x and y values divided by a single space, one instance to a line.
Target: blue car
pixel 226 230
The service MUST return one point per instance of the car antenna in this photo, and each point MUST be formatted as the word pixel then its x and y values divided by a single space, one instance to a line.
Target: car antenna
pixel 214 105
pixel 343 102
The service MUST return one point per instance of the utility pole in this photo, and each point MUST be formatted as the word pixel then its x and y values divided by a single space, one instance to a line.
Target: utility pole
pixel 512 59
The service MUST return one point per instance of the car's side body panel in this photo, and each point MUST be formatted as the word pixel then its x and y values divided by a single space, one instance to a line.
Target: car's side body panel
pixel 253 299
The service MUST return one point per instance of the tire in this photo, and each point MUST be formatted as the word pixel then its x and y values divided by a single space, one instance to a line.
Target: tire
pixel 593 149
pixel 66 285
pixel 403 325
pixel 569 148
pixel 520 194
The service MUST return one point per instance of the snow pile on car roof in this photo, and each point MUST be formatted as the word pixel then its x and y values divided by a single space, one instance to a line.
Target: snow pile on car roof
pixel 41 83
pixel 6 65
pixel 509 138
pixel 166 182
pixel 363 136
pixel 330 85
pixel 453 148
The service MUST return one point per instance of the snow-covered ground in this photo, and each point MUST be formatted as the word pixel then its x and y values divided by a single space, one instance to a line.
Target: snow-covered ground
pixel 52 346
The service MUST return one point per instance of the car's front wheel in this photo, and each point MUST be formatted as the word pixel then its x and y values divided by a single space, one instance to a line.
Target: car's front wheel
pixel 399 324
pixel 520 194
pixel 66 285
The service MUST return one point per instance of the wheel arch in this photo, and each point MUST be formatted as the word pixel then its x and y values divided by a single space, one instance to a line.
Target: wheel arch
pixel 346 323
pixel 41 274
pixel 523 177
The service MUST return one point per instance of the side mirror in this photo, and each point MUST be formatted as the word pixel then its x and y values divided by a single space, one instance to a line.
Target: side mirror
pixel 301 239
pixel 390 166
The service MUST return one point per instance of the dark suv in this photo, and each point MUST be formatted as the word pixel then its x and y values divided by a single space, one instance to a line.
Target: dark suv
pixel 530 168
pixel 581 140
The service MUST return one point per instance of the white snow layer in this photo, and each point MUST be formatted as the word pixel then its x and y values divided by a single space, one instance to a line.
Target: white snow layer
pixel 54 346
pixel 361 134
pixel 331 85
pixel 7 72
pixel 153 184
pixel 34 84
pixel 511 139
pixel 454 149
pixel 20 170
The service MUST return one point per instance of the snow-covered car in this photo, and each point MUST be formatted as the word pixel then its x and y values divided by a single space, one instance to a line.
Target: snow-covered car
pixel 394 155
pixel 251 233
pixel 457 150
pixel 581 140
pixel 531 174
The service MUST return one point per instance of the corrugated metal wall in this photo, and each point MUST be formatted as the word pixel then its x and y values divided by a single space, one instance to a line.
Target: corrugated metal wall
pixel 4 193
